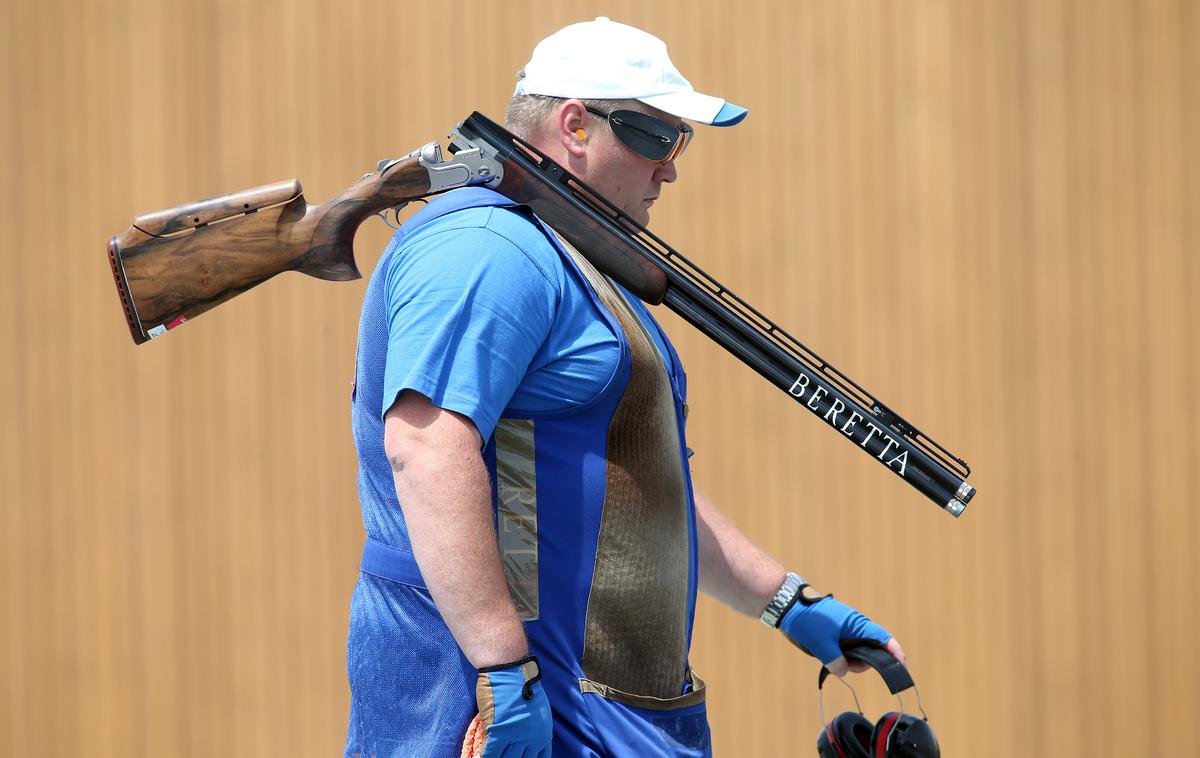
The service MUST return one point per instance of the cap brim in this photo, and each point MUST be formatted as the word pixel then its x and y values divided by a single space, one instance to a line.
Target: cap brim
pixel 694 106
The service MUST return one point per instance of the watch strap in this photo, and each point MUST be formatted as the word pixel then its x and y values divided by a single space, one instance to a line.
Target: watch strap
pixel 784 598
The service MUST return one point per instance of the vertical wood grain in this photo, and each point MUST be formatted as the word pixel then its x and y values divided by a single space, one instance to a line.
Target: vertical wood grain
pixel 983 211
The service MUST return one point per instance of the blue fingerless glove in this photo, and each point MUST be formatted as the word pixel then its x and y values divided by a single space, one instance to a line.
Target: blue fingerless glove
pixel 819 627
pixel 513 710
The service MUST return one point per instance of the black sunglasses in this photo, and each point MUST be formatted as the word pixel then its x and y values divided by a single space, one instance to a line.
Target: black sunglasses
pixel 650 137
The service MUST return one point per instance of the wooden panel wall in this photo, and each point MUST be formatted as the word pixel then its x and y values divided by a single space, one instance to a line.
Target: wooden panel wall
pixel 984 211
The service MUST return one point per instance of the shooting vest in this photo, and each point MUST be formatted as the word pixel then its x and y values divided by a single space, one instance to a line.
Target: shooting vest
pixel 594 512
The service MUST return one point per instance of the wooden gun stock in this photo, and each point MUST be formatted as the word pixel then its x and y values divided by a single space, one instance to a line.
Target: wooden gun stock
pixel 172 265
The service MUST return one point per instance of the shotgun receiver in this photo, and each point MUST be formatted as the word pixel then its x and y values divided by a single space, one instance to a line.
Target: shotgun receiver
pixel 173 265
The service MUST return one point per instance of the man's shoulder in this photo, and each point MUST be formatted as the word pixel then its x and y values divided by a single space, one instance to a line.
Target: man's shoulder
pixel 515 225
pixel 488 230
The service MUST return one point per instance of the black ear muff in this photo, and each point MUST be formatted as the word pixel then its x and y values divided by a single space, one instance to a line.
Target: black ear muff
pixel 896 735
pixel 881 735
pixel 847 736
pixel 903 735
pixel 853 729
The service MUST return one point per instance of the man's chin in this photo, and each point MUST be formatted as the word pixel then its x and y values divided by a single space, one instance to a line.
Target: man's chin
pixel 641 215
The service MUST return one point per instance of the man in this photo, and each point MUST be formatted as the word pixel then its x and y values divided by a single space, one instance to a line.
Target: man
pixel 534 546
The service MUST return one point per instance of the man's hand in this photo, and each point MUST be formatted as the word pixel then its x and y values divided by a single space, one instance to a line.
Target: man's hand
pixel 514 716
pixel 820 627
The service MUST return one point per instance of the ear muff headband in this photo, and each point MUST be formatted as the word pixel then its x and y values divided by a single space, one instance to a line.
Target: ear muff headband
pixel 895 676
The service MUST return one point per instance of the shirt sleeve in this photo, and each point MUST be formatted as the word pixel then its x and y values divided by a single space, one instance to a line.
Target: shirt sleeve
pixel 467 311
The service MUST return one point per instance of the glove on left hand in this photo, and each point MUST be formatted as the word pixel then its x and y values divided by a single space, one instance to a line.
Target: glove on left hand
pixel 820 627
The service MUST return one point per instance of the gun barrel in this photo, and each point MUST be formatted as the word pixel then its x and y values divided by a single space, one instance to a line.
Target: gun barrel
pixel 730 321
pixel 897 451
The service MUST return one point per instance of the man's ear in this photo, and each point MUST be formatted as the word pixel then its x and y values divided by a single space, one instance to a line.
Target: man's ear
pixel 571 128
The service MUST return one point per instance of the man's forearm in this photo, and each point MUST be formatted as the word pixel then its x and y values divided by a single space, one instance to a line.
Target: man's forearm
pixel 732 568
pixel 445 494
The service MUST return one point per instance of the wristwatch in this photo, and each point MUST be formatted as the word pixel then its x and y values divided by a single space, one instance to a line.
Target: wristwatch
pixel 783 599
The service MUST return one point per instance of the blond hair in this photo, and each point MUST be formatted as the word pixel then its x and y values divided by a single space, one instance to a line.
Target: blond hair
pixel 527 115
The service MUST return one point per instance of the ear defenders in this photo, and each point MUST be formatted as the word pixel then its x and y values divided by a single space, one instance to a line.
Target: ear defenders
pixel 895 735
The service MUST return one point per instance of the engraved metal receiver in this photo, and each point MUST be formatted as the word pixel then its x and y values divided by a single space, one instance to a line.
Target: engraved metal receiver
pixel 477 166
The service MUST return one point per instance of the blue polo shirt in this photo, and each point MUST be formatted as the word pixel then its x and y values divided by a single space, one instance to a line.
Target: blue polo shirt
pixel 483 318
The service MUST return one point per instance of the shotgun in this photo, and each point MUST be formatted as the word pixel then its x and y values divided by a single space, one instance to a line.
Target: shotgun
pixel 172 265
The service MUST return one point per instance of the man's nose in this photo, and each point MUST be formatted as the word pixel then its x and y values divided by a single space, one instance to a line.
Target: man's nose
pixel 666 172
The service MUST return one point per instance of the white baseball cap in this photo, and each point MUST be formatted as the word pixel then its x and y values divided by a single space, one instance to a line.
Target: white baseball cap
pixel 605 60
